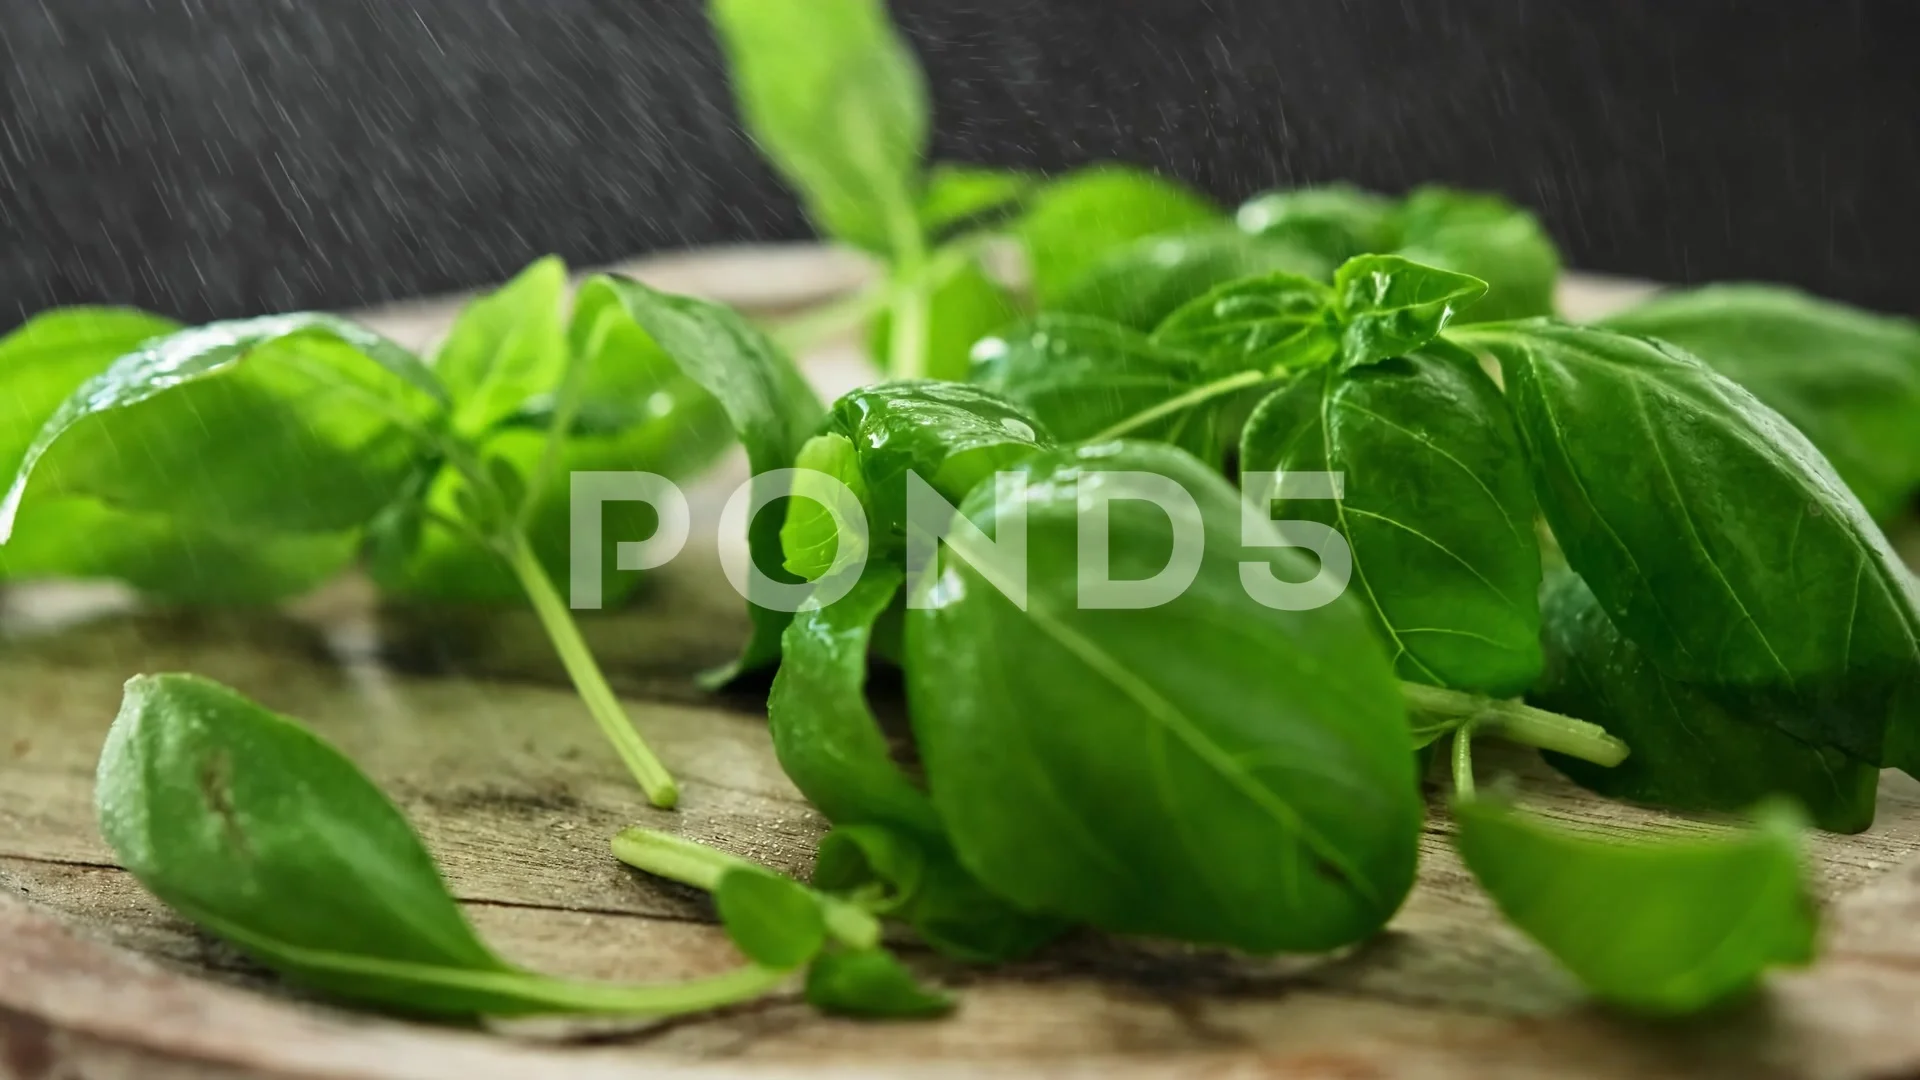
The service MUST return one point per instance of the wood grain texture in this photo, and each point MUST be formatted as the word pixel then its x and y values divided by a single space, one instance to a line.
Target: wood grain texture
pixel 465 719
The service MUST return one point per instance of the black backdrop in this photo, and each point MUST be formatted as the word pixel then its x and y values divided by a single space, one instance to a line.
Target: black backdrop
pixel 216 157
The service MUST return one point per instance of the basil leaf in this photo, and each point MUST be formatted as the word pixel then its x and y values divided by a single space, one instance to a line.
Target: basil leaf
pixel 1266 323
pixel 1337 221
pixel 814 541
pixel 1142 283
pixel 870 982
pixel 1716 537
pixel 1389 306
pixel 1438 509
pixel 770 406
pixel 824 734
pixel 333 419
pixel 1848 379
pixel 1211 770
pixel 1074 222
pixel 505 347
pixel 775 921
pixel 953 435
pixel 1659 926
pixel 1690 752
pixel 836 101
pixel 881 863
pixel 1487 237
pixel 1078 376
pixel 963 308
pixel 958 194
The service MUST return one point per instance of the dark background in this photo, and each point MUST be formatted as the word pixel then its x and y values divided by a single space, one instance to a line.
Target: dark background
pixel 217 157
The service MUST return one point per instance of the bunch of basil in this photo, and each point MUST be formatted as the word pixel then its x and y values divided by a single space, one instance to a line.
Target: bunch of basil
pixel 1635 524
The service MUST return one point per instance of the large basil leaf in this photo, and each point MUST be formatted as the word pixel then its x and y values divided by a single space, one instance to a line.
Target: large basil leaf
pixel 1073 223
pixel 1388 306
pixel 770 406
pixel 1267 323
pixel 1141 283
pixel 836 101
pixel 1689 751
pixel 1337 221
pixel 1210 770
pixel 1485 236
pixel 290 423
pixel 1848 379
pixel 506 347
pixel 1716 536
pixel 1438 509
pixel 1079 375
pixel 1659 926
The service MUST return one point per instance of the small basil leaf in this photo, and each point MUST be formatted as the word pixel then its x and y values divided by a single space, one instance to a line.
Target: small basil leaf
pixel 1487 237
pixel 881 863
pixel 870 982
pixel 774 921
pixel 963 308
pixel 769 405
pixel 1337 221
pixel 1074 222
pixel 1848 379
pixel 1267 323
pixel 836 101
pixel 1438 509
pixel 506 347
pixel 1079 375
pixel 1661 926
pixel 1389 306
pixel 332 417
pixel 1716 537
pixel 1690 752
pixel 824 734
pixel 1141 283
pixel 1210 769
pixel 814 541
pixel 957 194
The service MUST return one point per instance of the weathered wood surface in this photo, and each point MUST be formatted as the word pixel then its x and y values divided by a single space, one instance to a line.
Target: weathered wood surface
pixel 466 721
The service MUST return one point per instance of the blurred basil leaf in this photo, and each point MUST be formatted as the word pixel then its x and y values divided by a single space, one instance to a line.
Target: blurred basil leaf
pixel 506 346
pixel 1487 237
pixel 1336 221
pixel 1071 224
pixel 1141 283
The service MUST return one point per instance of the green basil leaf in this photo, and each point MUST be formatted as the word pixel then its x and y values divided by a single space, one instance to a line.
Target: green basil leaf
pixel 1079 375
pixel 1140 284
pixel 1267 323
pixel 1389 306
pixel 953 435
pixel 837 102
pixel 870 982
pixel 1337 221
pixel 1715 535
pixel 964 307
pixel 958 194
pixel 775 921
pixel 824 734
pixel 506 347
pixel 1487 237
pixel 1848 379
pixel 814 541
pixel 1661 926
pixel 333 419
pixel 1438 509
pixel 1074 222
pixel 1690 752
pixel 1210 769
pixel 882 864
pixel 769 405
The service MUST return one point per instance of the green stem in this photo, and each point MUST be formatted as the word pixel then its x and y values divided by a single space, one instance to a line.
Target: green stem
pixel 1463 761
pixel 661 999
pixel 587 678
pixel 566 406
pixel 908 296
pixel 1517 722
pixel 691 863
pixel 1198 395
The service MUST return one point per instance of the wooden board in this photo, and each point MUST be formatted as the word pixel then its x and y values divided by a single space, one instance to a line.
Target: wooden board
pixel 466 720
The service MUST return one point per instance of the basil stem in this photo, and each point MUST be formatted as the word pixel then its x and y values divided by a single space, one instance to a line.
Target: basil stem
pixel 1516 722
pixel 695 864
pixel 1240 380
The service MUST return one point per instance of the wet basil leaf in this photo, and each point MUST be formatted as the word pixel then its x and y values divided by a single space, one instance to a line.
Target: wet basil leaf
pixel 1690 752
pixel 1211 769
pixel 333 419
pixel 1848 379
pixel 1716 537
pixel 1438 509
pixel 1140 284
pixel 1485 236
pixel 965 307
pixel 769 405
pixel 1388 306
pixel 1662 926
pixel 836 100
pixel 775 921
pixel 1337 221
pixel 506 347
pixel 1074 222
pixel 816 541
pixel 872 983
pixel 958 194
pixel 1267 323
